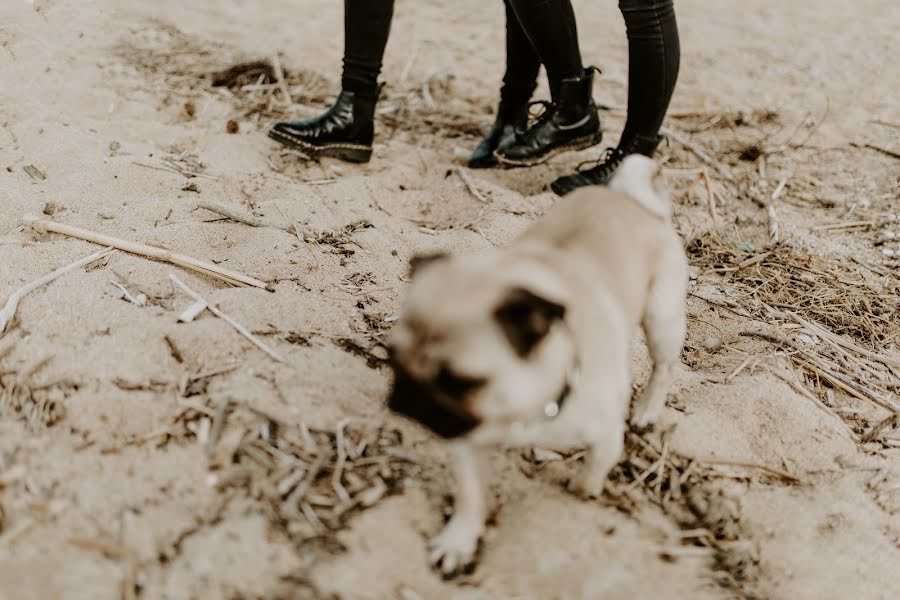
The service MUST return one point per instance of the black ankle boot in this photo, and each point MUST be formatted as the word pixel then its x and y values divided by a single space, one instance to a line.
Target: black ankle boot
pixel 344 131
pixel 509 120
pixel 603 169
pixel 569 123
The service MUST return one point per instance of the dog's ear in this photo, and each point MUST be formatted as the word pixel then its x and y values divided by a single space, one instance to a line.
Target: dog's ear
pixel 417 262
pixel 526 318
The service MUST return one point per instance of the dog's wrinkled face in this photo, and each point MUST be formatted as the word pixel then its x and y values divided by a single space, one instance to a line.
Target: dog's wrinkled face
pixel 470 348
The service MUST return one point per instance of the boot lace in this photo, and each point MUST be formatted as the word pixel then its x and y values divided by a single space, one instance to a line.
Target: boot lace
pixel 603 166
pixel 535 120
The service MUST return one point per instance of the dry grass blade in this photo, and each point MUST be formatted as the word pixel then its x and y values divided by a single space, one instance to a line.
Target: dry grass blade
pixel 8 313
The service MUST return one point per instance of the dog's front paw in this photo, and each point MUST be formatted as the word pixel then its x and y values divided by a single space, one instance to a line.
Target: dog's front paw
pixel 453 550
pixel 642 422
pixel 587 484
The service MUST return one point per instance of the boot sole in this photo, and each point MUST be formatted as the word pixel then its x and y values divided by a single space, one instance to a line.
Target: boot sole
pixel 565 188
pixel 573 146
pixel 355 153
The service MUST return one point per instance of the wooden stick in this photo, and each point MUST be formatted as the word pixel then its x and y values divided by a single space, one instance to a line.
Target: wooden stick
pixel 145 250
pixel 240 328
pixel 226 212
pixel 9 311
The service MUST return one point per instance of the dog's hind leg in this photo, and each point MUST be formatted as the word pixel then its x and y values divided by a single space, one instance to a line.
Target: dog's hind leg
pixel 664 323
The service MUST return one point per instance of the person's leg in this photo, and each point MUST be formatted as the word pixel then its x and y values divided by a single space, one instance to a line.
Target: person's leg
pixel 570 122
pixel 654 55
pixel 653 62
pixel 346 130
pixel 550 25
pixel 519 81
pixel 367 25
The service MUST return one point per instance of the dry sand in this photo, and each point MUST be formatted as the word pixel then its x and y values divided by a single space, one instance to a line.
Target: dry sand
pixel 93 95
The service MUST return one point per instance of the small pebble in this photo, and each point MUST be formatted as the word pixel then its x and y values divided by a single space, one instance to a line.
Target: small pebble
pixel 49 208
pixel 712 344
pixel 232 126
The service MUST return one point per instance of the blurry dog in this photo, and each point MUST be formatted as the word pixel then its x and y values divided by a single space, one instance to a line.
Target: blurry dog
pixel 529 344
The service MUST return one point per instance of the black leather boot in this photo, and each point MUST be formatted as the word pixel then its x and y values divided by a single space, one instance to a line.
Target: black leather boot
pixel 344 131
pixel 570 122
pixel 602 170
pixel 509 120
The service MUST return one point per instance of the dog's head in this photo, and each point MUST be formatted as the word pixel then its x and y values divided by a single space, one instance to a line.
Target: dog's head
pixel 477 343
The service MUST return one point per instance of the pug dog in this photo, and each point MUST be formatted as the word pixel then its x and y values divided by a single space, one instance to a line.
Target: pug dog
pixel 529 344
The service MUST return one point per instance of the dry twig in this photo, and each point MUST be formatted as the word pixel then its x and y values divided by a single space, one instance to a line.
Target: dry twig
pixel 181 260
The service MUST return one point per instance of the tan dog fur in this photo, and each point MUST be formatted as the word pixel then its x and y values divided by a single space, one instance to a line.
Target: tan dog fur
pixel 609 259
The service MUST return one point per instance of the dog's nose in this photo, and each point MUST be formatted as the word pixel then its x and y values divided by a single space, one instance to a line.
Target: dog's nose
pixel 414 401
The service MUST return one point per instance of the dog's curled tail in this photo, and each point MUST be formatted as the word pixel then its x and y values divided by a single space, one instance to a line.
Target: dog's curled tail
pixel 641 178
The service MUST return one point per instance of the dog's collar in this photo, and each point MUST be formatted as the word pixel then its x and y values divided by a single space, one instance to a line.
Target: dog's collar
pixel 552 409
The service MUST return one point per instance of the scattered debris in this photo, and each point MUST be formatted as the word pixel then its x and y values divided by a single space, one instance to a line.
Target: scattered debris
pixel 374 352
pixel 40 406
pixel 829 293
pixel 684 489
pixel 341 239
pixel 241 74
pixel 309 481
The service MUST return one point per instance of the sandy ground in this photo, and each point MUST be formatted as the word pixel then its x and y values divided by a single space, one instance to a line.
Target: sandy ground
pixel 97 97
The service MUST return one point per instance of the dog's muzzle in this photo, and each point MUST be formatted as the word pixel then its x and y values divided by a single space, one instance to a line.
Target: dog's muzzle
pixel 414 400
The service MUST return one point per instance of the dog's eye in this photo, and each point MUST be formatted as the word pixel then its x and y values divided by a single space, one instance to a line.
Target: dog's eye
pixel 457 386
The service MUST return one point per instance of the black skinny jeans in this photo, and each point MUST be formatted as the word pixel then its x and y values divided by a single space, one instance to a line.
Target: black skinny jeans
pixel 541 31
